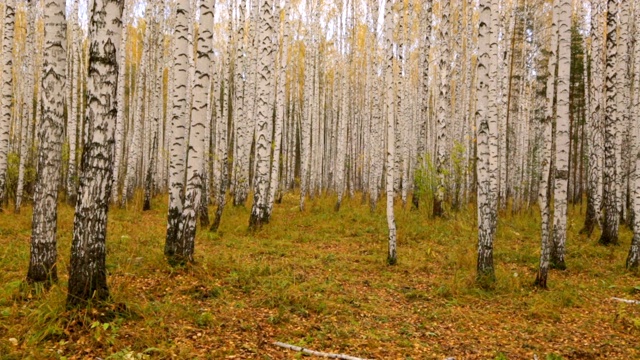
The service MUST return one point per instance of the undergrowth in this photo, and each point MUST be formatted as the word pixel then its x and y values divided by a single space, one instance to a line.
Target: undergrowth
pixel 319 279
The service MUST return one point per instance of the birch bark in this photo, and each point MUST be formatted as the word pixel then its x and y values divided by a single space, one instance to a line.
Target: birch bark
pixel 199 111
pixel 594 126
pixel 392 257
pixel 42 264
pixel 611 218
pixel 7 92
pixel 178 124
pixel 443 111
pixel 87 270
pixel 563 142
pixel 259 211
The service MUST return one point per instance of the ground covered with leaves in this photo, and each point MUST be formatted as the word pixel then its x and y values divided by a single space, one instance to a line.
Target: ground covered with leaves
pixel 319 279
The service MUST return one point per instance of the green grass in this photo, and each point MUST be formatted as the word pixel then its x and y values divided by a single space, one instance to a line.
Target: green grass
pixel 319 279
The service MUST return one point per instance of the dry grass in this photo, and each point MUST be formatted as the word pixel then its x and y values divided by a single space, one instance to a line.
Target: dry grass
pixel 319 279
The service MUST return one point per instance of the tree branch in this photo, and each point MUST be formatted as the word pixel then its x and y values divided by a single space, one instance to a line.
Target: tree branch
pixel 316 353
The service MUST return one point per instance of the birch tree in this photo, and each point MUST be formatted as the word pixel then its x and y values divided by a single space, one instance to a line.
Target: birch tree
pixel 486 127
pixel 392 257
pixel 563 9
pixel 264 111
pixel 75 54
pixel 87 270
pixel 444 101
pixel 42 264
pixel 280 108
pixel 27 100
pixel 178 124
pixel 611 217
pixel 7 88
pixel 545 157
pixel 199 111
pixel 594 173
pixel 633 258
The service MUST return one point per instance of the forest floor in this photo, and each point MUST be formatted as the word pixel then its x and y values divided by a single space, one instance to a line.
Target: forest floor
pixel 319 279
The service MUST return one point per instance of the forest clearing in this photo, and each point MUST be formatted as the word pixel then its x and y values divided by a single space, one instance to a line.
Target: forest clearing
pixel 318 279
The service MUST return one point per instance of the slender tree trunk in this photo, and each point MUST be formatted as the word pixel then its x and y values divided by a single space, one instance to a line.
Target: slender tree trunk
pixel 27 100
pixel 120 136
pixel 594 193
pixel 392 258
pixel 484 127
pixel 280 111
pixel 424 100
pixel 7 93
pixel 177 145
pixel 563 141
pixel 443 112
pixel 259 211
pixel 611 218
pixel 42 264
pixel 199 111
pixel 545 156
pixel 633 259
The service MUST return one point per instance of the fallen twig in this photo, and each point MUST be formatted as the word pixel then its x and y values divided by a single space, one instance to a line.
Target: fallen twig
pixel 316 353
pixel 626 300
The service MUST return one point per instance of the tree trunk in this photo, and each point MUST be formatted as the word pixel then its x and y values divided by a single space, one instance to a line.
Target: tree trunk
pixel 484 127
pixel 611 218
pixel 177 146
pixel 199 111
pixel 443 113
pixel 259 211
pixel 87 270
pixel 7 93
pixel 563 141
pixel 594 127
pixel 545 156
pixel 392 258
pixel 42 264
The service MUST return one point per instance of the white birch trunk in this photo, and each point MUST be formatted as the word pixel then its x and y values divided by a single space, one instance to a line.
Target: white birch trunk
pixel 179 113
pixel 264 86
pixel 611 219
pixel 485 126
pixel 42 264
pixel 7 92
pixel 563 8
pixel 280 110
pixel 199 111
pixel 87 270
pixel 122 64
pixel 443 111
pixel 73 83
pixel 633 258
pixel 594 125
pixel 391 147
